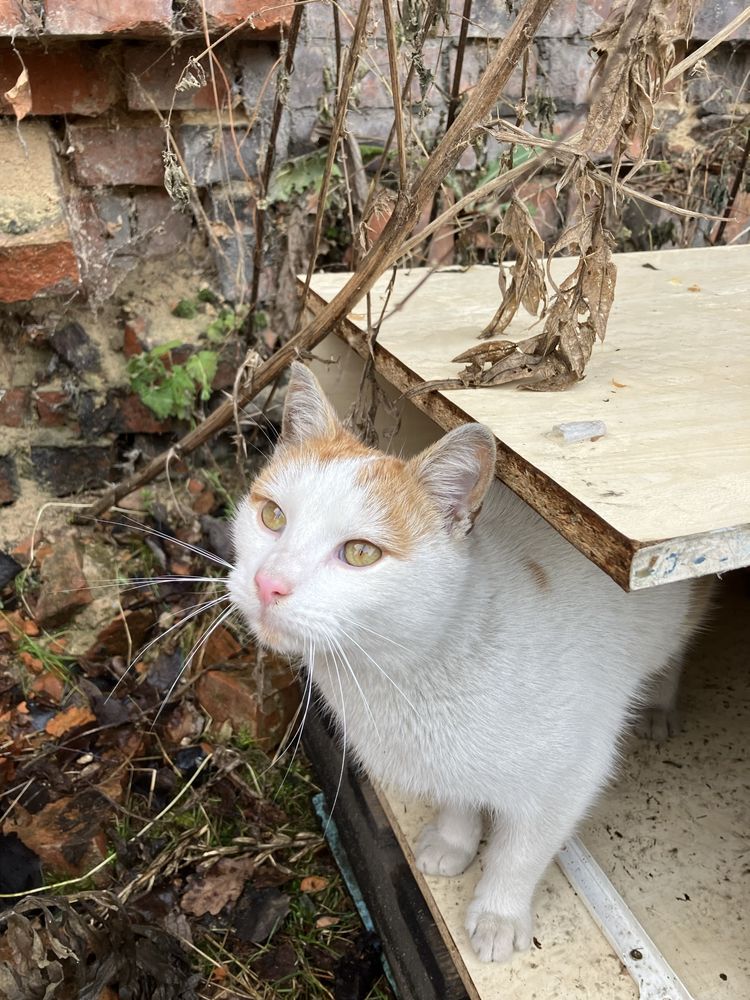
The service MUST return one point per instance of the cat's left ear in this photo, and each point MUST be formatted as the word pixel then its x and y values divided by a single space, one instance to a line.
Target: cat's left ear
pixel 307 412
pixel 457 471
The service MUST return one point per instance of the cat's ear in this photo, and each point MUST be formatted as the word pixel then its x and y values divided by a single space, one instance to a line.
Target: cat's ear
pixel 457 472
pixel 307 412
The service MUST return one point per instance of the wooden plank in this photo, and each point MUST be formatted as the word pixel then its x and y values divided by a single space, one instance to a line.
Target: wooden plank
pixel 665 494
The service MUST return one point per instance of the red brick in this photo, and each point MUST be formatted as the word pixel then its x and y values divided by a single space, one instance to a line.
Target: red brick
pixel 134 417
pixel 134 333
pixel 40 268
pixel 16 19
pixel 36 252
pixel 261 17
pixel 108 17
pixel 121 155
pixel 65 78
pixel 153 72
pixel 53 408
pixel 14 407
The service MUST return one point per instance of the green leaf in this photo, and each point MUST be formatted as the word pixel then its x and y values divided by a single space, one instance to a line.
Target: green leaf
pixel 299 175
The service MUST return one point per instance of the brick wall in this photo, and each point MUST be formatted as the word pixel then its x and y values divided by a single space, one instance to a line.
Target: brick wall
pixel 87 226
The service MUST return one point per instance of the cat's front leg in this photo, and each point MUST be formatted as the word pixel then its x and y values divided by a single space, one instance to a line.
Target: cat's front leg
pixel 449 845
pixel 499 920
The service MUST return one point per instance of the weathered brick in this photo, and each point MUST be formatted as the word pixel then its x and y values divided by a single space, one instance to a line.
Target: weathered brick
pixel 53 409
pixel 262 17
pixel 319 19
pixel 161 228
pixel 134 333
pixel 9 491
pixel 476 57
pixel 36 250
pixel 65 78
pixel 121 155
pixel 14 407
pixel 232 207
pixel 108 17
pixel 17 18
pixel 64 588
pixel 214 155
pixel 64 470
pixel 153 72
pixel 71 343
pixel 134 417
pixel 713 15
pixel 568 65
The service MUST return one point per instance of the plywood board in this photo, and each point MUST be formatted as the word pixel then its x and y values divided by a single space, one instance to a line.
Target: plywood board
pixel 671 835
pixel 665 494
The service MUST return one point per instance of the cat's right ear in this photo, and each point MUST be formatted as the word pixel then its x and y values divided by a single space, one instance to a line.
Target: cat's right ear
pixel 457 472
pixel 307 412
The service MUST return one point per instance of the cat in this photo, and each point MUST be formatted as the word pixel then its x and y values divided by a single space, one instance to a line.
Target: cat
pixel 470 655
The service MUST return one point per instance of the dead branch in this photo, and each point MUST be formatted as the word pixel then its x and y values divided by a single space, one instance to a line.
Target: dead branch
pixel 390 30
pixel 506 180
pixel 337 130
pixel 278 108
pixel 383 255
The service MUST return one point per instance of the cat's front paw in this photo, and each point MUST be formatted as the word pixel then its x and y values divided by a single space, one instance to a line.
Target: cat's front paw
pixel 658 724
pixel 437 856
pixel 495 938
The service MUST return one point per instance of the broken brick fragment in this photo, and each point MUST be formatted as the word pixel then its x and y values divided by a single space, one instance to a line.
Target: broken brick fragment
pixel 65 588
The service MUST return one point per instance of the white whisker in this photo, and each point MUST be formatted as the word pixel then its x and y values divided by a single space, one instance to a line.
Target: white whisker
pixel 134 583
pixel 372 631
pixel 128 522
pixel 377 665
pixel 336 645
pixel 343 752
pixel 198 645
pixel 196 610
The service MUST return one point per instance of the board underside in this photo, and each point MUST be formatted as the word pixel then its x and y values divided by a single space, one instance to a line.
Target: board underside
pixel 665 493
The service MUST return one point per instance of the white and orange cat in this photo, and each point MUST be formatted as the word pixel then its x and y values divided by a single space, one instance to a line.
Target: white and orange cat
pixel 472 655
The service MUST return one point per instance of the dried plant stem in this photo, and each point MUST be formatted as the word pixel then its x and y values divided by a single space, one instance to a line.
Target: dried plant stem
pixel 458 68
pixel 383 255
pixel 506 180
pixel 265 182
pixel 735 190
pixel 390 30
pixel 337 130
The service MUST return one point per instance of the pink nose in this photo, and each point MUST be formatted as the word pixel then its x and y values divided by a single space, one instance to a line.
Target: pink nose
pixel 270 588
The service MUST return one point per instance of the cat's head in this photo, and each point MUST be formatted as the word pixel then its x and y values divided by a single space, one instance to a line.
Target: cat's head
pixel 334 535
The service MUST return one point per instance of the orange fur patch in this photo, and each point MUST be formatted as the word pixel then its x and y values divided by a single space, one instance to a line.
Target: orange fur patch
pixel 539 573
pixel 407 509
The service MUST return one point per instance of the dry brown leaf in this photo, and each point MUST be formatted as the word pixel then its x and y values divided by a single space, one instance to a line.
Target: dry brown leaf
pixel 222 883
pixel 527 286
pixel 619 385
pixel 636 51
pixel 313 883
pixel 71 718
pixel 19 96
pixel 324 922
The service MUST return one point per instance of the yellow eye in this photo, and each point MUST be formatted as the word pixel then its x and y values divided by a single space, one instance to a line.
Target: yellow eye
pixel 272 516
pixel 361 553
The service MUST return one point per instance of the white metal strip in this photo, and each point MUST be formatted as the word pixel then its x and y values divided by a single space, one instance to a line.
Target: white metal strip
pixel 653 975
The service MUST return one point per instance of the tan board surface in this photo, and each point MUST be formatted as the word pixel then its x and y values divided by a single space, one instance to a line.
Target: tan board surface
pixel 672 836
pixel 665 494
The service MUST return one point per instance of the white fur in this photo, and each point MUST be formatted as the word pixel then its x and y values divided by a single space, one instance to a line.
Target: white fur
pixel 457 677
